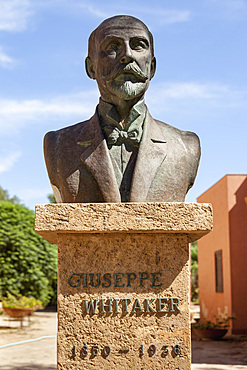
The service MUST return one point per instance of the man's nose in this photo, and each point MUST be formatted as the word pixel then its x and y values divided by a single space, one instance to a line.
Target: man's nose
pixel 127 54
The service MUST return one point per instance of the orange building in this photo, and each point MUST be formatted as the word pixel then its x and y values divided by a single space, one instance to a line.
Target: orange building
pixel 222 254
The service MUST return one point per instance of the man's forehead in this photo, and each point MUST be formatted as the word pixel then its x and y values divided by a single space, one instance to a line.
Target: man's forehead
pixel 122 26
pixel 122 32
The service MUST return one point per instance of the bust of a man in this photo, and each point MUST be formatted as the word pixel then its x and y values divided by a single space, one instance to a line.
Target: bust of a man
pixel 121 154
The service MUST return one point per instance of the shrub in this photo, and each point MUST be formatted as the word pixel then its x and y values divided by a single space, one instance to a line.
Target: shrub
pixel 27 262
pixel 194 273
pixel 21 302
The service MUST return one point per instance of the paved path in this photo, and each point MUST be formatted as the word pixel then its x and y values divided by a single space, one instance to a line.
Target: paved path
pixel 219 355
pixel 37 355
pixel 41 354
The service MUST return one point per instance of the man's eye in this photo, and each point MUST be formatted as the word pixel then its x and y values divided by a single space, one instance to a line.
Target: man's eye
pixel 112 48
pixel 138 45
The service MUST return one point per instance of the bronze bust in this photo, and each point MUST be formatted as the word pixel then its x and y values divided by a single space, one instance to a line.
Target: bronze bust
pixel 121 154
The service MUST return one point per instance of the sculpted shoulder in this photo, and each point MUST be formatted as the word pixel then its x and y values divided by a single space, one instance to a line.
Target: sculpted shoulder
pixel 187 140
pixel 192 143
pixel 58 143
pixel 54 138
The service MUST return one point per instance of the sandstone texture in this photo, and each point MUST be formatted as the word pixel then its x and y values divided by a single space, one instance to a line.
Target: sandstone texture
pixel 195 219
pixel 122 254
pixel 123 282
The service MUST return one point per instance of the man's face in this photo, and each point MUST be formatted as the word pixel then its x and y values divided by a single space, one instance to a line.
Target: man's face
pixel 123 62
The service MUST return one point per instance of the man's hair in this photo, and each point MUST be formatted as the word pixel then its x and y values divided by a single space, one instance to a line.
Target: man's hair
pixel 120 21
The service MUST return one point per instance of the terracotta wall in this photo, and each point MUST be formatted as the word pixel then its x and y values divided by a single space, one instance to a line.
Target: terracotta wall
pixel 237 191
pixel 228 197
pixel 212 303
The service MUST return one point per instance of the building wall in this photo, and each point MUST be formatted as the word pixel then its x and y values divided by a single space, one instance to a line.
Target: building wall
pixel 229 235
pixel 212 303
pixel 237 191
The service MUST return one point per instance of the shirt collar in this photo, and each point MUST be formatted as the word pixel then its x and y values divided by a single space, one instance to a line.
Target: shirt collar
pixel 109 116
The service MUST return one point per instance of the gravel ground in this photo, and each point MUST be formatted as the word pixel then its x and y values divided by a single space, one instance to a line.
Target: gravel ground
pixel 230 353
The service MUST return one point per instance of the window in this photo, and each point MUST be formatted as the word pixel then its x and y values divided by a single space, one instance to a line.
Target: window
pixel 218 271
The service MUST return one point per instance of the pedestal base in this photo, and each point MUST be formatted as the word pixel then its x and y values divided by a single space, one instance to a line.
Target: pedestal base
pixel 123 282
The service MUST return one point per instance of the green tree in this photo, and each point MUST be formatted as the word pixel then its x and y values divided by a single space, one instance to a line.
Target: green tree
pixel 194 273
pixel 27 262
pixel 51 198
pixel 4 195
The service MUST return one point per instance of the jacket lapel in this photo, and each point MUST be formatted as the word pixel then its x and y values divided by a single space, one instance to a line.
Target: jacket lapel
pixel 152 152
pixel 96 157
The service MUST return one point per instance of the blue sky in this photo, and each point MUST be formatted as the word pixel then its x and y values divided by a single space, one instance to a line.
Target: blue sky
pixel 200 84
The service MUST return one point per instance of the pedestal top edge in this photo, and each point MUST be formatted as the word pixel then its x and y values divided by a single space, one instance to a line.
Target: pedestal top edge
pixel 136 206
pixel 185 218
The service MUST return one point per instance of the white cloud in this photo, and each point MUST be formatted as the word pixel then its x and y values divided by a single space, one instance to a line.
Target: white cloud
pixel 8 161
pixel 161 15
pixel 77 7
pixel 5 60
pixel 14 15
pixel 187 90
pixel 16 114
pixel 94 10
pixel 187 96
pixel 109 8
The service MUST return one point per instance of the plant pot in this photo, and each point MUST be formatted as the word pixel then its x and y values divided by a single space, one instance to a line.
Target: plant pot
pixel 210 333
pixel 18 313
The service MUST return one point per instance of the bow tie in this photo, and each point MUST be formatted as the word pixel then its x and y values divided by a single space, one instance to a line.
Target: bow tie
pixel 115 136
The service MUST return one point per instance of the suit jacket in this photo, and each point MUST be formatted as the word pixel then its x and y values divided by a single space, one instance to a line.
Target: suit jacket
pixel 80 168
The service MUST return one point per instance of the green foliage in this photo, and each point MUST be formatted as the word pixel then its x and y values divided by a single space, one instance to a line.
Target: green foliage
pixel 194 273
pixel 51 198
pixel 27 261
pixel 21 301
pixel 4 195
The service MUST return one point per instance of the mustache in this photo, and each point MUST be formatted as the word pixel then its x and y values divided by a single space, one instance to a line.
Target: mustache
pixel 132 68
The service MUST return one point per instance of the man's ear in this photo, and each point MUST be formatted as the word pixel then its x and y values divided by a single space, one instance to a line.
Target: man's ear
pixel 153 67
pixel 89 68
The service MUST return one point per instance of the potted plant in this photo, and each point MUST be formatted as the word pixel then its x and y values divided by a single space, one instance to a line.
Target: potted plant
pixel 20 306
pixel 212 330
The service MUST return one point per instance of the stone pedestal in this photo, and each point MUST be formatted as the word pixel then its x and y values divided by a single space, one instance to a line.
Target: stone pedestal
pixel 123 282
